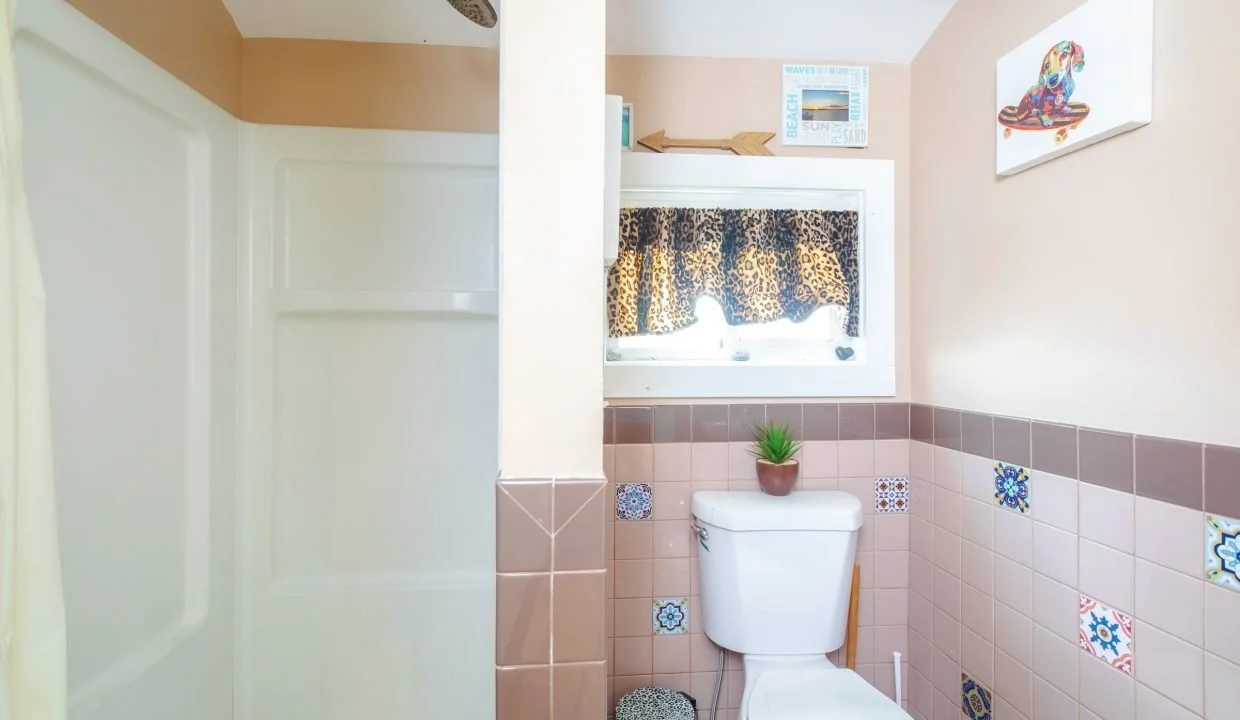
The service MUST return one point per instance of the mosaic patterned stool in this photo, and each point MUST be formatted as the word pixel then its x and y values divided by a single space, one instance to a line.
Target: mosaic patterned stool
pixel 653 703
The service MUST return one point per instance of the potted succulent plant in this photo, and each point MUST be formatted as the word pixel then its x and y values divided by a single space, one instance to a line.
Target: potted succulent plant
pixel 775 451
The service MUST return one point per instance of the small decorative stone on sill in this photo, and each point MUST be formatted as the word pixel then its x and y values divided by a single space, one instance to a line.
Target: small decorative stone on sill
pixel 844 352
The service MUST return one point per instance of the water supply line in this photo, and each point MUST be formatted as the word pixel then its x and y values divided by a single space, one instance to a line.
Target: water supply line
pixel 714 706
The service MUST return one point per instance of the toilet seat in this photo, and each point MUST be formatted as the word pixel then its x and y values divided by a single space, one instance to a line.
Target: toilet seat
pixel 814 694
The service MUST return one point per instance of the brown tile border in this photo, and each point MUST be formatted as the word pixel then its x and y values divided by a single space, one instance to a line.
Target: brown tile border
pixel 947 428
pixel 1105 459
pixel 633 426
pixel 1222 474
pixel 857 421
pixel 1054 449
pixel 891 421
pixel 710 423
pixel 822 421
pixel 791 415
pixel 921 423
pixel 1188 474
pixel 741 421
pixel 1169 470
pixel 977 434
pixel 672 423
pixel 1012 440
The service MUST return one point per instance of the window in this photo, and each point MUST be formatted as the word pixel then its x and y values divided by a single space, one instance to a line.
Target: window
pixel 689 334
pixel 814 339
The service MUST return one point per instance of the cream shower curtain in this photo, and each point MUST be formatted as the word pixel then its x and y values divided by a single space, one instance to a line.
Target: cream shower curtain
pixel 32 613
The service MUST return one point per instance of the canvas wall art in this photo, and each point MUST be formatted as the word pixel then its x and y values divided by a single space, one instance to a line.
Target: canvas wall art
pixel 1084 79
pixel 826 105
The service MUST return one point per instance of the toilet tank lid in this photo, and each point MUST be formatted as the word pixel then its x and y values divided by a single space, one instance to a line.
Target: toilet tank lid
pixel 742 511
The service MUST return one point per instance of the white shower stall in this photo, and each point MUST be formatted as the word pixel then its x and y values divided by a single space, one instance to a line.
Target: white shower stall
pixel 274 374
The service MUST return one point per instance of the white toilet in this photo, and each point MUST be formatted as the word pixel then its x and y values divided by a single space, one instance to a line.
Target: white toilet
pixel 776 580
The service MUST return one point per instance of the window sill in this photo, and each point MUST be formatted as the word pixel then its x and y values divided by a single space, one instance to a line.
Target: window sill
pixel 727 379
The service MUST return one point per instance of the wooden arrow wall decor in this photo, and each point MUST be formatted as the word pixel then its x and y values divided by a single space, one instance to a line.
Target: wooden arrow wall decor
pixel 743 143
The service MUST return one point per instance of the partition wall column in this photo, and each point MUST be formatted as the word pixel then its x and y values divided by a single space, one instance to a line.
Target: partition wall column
pixel 550 651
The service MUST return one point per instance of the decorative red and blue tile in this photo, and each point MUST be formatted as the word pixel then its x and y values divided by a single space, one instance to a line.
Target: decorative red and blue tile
pixel 891 495
pixel 1106 634
pixel 974 699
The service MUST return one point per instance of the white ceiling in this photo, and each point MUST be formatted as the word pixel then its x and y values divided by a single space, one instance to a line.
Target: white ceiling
pixel 849 30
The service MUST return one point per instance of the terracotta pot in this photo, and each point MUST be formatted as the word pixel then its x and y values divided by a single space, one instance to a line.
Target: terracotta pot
pixel 777 479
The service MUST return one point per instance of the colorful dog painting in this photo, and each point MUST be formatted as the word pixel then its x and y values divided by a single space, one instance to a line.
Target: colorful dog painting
pixel 1047 105
pixel 1048 102
pixel 1050 96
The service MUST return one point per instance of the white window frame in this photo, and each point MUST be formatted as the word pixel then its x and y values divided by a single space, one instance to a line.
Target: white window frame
pixel 690 180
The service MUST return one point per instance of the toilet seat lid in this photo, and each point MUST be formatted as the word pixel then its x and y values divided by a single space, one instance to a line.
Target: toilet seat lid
pixel 816 694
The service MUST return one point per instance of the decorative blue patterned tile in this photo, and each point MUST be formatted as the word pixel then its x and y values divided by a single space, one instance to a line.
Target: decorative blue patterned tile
pixel 891 495
pixel 1223 551
pixel 1106 634
pixel 974 699
pixel 671 616
pixel 1012 487
pixel 633 501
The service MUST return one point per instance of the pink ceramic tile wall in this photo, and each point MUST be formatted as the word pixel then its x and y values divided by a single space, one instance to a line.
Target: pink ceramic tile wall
pixel 1098 600
pixel 681 450
pixel 551 591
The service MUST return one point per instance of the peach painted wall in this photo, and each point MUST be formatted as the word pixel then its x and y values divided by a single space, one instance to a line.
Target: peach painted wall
pixel 1097 289
pixel 195 40
pixel 371 85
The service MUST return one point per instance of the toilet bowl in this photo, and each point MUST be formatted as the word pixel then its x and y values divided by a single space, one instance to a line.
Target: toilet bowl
pixel 776 580
pixel 811 690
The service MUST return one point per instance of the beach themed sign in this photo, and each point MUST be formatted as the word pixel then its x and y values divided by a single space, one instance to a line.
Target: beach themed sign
pixel 826 105
pixel 1084 79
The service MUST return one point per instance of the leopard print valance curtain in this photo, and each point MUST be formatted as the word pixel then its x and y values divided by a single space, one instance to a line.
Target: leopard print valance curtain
pixel 759 265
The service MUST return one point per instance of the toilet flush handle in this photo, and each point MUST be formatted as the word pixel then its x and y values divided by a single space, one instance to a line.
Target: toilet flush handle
pixel 701 533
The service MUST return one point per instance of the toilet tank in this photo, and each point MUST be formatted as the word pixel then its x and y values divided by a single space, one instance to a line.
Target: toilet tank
pixel 776 572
